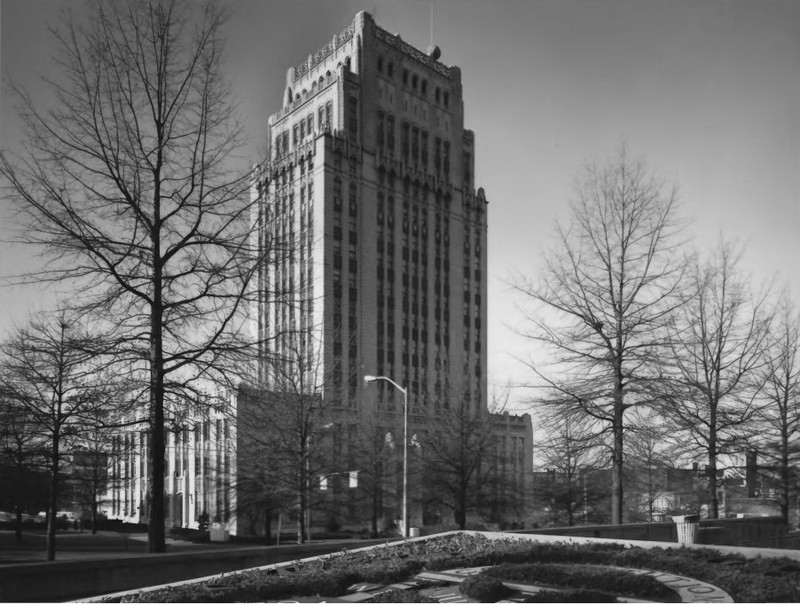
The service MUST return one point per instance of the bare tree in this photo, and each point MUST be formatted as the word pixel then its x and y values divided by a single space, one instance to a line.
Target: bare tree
pixel 604 295
pixel 373 454
pixel 779 416
pixel 48 372
pixel 284 423
pixel 128 184
pixel 457 451
pixel 649 453
pixel 570 451
pixel 717 342
pixel 22 456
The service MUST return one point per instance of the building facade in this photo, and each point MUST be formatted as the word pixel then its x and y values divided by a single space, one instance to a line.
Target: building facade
pixel 370 187
pixel 369 199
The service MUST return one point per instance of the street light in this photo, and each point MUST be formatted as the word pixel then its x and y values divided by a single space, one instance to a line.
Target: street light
pixel 405 445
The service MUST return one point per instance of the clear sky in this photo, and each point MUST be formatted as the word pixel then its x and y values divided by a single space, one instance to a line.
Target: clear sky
pixel 707 92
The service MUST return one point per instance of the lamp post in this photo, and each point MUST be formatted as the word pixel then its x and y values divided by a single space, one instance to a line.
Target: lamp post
pixel 405 445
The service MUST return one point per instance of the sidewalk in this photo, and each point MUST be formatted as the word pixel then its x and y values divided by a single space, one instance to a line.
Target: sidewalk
pixel 74 545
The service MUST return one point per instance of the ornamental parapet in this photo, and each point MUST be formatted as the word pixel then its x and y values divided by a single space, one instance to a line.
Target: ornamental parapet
pixel 322 54
pixel 404 47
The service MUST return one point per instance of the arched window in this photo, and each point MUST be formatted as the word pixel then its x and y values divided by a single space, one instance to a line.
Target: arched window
pixel 380 64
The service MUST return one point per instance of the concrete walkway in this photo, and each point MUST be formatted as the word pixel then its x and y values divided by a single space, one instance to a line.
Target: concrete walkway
pixel 75 545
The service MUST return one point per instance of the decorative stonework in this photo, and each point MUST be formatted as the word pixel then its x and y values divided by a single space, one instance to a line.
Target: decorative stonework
pixel 406 48
pixel 322 54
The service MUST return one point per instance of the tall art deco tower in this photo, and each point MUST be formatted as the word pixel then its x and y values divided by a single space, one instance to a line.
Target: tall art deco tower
pixel 370 186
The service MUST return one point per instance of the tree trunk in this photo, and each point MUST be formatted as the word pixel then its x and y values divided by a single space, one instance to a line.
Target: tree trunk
pixel 785 484
pixel 617 465
pixel 375 512
pixel 713 509
pixel 94 514
pixel 268 525
pixel 18 524
pixel 51 517
pixel 156 538
pixel 460 518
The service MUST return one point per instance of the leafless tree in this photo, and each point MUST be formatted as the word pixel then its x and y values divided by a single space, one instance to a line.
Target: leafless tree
pixel 458 449
pixel 23 455
pixel 285 423
pixel 649 452
pixel 128 184
pixel 779 416
pixel 373 454
pixel 603 297
pixel 571 452
pixel 718 342
pixel 50 375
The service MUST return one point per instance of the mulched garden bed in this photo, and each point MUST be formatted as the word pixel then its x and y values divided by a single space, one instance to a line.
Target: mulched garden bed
pixel 545 564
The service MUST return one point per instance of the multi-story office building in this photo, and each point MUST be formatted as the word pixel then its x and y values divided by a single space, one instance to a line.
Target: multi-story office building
pixel 369 194
pixel 370 184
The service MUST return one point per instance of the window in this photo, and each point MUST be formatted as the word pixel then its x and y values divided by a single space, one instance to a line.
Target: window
pixel 390 134
pixel 310 123
pixel 353 117
pixel 302 130
pixel 424 88
pixel 390 70
pixel 437 155
pixel 380 64
pixel 329 114
pixel 295 133
pixel 414 82
pixel 321 119
pixel 353 205
pixel 381 134
pixel 404 141
pixel 424 150
pixel 446 99
pixel 446 159
pixel 405 77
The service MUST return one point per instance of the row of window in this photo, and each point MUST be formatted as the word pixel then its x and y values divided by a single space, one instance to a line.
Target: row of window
pixel 414 144
pixel 413 82
pixel 302 128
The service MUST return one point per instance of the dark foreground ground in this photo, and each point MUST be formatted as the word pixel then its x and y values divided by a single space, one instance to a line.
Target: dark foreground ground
pixel 74 545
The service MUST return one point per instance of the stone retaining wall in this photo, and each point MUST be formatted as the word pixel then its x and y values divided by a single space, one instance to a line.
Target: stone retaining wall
pixel 763 532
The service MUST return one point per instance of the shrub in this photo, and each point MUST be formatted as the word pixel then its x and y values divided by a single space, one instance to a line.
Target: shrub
pixel 484 588
pixel 615 581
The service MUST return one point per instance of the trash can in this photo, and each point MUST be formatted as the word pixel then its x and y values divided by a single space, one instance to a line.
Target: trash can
pixel 413 532
pixel 687 528
pixel 218 533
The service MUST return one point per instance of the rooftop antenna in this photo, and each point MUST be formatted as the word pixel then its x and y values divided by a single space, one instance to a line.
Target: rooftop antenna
pixel 434 52
pixel 431 22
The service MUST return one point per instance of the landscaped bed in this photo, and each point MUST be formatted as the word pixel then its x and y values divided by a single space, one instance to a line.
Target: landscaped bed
pixel 588 572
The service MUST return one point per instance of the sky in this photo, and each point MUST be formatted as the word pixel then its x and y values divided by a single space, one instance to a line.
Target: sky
pixel 706 92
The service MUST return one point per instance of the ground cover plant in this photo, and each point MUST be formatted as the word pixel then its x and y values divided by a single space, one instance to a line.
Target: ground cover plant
pixel 771 580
